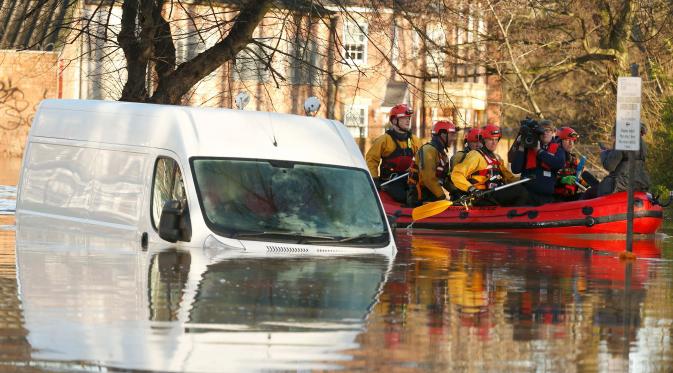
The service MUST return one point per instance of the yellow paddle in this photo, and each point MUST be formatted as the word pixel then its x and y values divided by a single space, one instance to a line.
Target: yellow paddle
pixel 437 207
pixel 430 209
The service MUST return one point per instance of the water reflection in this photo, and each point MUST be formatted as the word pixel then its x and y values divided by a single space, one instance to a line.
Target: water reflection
pixel 455 303
pixel 176 310
pixel 446 304
pixel 7 200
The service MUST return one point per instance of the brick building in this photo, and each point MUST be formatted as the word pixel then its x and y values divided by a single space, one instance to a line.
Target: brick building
pixel 358 61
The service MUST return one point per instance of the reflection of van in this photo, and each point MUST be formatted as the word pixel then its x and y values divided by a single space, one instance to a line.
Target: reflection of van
pixel 231 179
pixel 172 310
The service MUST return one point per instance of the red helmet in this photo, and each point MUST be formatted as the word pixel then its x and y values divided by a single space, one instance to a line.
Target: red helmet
pixel 443 125
pixel 565 133
pixel 472 135
pixel 400 111
pixel 490 131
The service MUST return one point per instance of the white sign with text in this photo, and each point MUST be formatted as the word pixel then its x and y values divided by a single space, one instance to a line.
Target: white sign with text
pixel 628 113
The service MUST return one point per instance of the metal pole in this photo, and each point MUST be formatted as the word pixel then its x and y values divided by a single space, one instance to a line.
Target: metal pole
pixel 629 212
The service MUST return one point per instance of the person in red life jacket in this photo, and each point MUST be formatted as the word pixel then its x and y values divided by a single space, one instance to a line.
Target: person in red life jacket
pixel 391 154
pixel 483 169
pixel 471 143
pixel 566 178
pixel 429 170
pixel 542 162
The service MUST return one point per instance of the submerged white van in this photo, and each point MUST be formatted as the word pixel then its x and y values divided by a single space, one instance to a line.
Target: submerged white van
pixel 244 181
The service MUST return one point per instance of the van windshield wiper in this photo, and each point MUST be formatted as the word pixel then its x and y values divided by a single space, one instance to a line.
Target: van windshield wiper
pixel 362 237
pixel 299 236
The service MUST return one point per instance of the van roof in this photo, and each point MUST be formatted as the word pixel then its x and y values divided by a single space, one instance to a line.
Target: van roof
pixel 194 131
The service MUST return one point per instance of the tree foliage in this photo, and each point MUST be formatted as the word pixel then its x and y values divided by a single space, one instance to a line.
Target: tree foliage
pixel 561 59
pixel 661 157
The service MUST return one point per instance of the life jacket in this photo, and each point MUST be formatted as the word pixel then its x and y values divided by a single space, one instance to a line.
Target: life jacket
pixel 441 171
pixel 569 168
pixel 398 161
pixel 531 157
pixel 490 177
pixel 458 157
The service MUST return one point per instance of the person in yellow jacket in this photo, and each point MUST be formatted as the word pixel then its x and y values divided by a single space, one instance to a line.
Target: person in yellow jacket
pixel 429 171
pixel 482 170
pixel 391 154
pixel 471 142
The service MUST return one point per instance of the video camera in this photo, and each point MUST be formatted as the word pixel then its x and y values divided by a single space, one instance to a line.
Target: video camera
pixel 529 133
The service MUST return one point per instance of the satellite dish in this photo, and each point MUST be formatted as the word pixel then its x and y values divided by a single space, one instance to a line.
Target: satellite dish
pixel 311 106
pixel 242 100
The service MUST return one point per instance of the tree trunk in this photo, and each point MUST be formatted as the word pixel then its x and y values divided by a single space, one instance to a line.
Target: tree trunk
pixel 136 58
pixel 174 85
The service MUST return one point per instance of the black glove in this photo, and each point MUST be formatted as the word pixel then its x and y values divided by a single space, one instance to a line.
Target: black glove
pixel 377 183
pixel 476 193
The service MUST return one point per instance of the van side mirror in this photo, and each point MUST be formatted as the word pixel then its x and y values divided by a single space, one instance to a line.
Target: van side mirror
pixel 175 224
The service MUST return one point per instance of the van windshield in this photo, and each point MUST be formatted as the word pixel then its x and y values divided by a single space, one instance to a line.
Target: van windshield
pixel 289 201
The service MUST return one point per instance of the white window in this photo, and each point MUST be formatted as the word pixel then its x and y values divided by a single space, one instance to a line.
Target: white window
pixel 395 46
pixel 355 42
pixel 415 44
pixel 356 118
pixel 252 62
pixel 304 63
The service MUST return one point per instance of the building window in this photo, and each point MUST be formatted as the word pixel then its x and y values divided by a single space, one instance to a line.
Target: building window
pixel 356 118
pixel 415 44
pixel 395 46
pixel 305 62
pixel 251 63
pixel 355 42
pixel 435 59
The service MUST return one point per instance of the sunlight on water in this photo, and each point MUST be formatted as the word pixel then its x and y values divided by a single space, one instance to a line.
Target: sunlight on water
pixel 444 303
pixel 7 200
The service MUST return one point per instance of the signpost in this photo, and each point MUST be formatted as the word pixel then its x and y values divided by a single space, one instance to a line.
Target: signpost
pixel 628 113
pixel 628 134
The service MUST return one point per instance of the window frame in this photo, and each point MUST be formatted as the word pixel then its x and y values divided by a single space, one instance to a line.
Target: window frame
pixel 155 224
pixel 365 124
pixel 361 29
pixel 247 67
pixel 214 229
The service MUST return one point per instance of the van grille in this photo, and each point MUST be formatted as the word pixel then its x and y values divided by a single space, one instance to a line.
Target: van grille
pixel 285 249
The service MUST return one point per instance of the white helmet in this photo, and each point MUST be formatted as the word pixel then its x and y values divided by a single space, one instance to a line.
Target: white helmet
pixel 311 106
pixel 242 100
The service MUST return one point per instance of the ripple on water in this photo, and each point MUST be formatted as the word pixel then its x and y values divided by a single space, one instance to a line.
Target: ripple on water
pixel 7 201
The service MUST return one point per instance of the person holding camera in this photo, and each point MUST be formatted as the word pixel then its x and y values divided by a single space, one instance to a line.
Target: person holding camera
pixel 482 170
pixel 537 156
pixel 391 154
pixel 429 170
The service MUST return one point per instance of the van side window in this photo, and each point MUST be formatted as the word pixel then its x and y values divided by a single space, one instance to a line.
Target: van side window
pixel 167 185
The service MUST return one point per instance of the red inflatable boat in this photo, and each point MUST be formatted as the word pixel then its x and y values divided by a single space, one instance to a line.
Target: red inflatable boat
pixel 602 215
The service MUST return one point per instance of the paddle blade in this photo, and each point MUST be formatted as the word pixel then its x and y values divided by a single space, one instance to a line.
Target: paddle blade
pixel 430 209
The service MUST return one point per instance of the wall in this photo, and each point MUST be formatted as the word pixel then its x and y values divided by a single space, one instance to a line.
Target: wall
pixel 25 79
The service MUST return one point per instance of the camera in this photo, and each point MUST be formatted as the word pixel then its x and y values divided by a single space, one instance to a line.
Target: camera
pixel 529 133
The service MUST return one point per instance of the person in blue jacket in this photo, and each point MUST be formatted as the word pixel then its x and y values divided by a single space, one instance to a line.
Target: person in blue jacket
pixel 541 161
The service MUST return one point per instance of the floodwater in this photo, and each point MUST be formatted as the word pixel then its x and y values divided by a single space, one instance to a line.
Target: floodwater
pixel 443 303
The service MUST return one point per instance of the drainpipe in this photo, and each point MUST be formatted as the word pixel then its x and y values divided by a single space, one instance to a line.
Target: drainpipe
pixel 332 86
